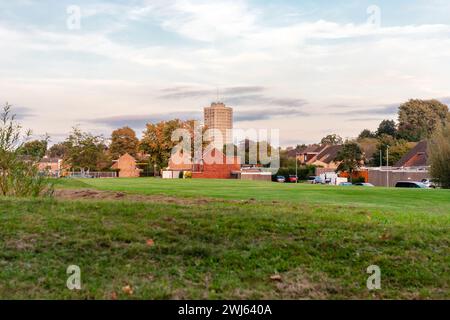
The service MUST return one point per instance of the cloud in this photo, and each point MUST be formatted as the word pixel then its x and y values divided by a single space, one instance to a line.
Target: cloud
pixel 235 96
pixel 19 112
pixel 388 110
pixel 183 92
pixel 267 114
pixel 139 121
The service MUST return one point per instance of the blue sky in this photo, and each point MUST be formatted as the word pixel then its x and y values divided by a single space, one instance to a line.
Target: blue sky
pixel 307 68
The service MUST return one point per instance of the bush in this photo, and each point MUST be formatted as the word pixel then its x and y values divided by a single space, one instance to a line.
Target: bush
pixel 303 172
pixel 439 151
pixel 19 175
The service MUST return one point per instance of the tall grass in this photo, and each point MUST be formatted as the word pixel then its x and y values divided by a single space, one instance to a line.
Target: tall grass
pixel 19 175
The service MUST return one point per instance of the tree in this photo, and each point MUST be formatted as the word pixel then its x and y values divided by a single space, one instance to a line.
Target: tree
pixel 350 157
pixel 19 176
pixel 368 147
pixel 439 154
pixel 123 141
pixel 387 127
pixel 366 133
pixel 157 141
pixel 331 139
pixel 419 118
pixel 35 149
pixel 85 151
pixel 397 149
pixel 58 150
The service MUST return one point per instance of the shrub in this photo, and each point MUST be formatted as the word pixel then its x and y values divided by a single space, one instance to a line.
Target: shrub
pixel 19 174
pixel 439 151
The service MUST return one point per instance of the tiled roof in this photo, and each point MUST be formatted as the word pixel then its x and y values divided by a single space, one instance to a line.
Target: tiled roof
pixel 328 154
pixel 416 157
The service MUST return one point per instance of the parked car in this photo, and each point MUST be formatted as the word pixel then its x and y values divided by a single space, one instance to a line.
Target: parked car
pixel 364 184
pixel 293 179
pixel 429 183
pixel 281 179
pixel 311 179
pixel 411 184
pixel 317 180
pixel 345 184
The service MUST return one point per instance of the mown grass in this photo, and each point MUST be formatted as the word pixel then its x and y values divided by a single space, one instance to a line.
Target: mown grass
pixel 398 200
pixel 319 240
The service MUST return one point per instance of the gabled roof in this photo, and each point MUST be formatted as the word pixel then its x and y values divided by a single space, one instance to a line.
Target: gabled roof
pixel 416 157
pixel 328 154
pixel 315 148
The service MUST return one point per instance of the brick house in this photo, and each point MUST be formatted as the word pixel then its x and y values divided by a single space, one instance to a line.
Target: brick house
pixel 216 165
pixel 126 165
pixel 51 166
pixel 325 157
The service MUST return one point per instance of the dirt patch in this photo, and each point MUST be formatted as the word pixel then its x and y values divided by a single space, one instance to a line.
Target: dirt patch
pixel 298 285
pixel 87 194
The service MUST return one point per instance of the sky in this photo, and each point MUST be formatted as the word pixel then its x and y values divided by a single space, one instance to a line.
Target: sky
pixel 308 68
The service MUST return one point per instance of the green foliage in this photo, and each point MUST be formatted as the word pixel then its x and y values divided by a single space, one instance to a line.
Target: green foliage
pixel 397 149
pixel 35 149
pixel 387 127
pixel 303 172
pixel 366 133
pixel 85 151
pixel 350 157
pixel 419 118
pixel 332 140
pixel 19 175
pixel 439 153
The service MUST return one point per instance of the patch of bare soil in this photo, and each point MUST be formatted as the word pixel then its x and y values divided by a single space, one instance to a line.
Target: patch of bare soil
pixel 88 194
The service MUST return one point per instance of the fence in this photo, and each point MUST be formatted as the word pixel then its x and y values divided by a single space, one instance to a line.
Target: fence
pixel 380 177
pixel 92 175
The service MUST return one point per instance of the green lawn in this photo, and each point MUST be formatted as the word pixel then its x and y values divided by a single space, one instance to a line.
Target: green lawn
pixel 319 240
pixel 398 200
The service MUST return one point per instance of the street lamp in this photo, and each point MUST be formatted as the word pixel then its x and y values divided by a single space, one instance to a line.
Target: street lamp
pixel 387 165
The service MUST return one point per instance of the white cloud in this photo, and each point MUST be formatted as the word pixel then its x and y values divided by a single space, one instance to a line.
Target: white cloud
pixel 228 44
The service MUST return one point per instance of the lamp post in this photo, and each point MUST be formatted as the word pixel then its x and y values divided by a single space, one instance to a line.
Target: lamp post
pixel 387 165
pixel 296 167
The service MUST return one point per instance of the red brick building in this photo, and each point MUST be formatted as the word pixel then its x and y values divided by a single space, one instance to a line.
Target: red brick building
pixel 216 165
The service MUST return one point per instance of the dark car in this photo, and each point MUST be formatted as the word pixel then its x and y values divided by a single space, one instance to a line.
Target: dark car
pixel 411 184
pixel 281 179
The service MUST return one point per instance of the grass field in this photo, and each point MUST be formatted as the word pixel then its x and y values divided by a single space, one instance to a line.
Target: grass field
pixel 317 240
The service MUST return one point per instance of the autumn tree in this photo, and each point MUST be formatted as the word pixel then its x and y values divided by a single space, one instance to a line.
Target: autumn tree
pixel 123 141
pixel 439 153
pixel 331 139
pixel 419 118
pixel 157 141
pixel 85 151
pixel 387 127
pixel 350 158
